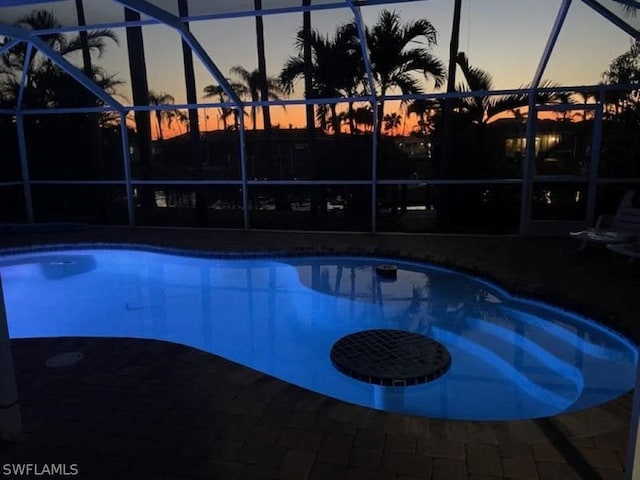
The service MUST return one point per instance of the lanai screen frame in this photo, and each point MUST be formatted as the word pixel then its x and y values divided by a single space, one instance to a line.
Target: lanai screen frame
pixel 160 16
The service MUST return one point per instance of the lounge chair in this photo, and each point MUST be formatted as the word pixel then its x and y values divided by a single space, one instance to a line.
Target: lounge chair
pixel 624 227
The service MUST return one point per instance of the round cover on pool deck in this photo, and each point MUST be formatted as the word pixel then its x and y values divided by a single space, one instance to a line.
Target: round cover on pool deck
pixel 390 357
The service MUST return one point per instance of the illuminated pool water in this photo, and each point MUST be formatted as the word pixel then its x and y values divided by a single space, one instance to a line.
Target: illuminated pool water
pixel 510 358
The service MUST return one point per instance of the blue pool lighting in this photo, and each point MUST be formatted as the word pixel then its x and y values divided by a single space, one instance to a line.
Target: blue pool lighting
pixel 510 358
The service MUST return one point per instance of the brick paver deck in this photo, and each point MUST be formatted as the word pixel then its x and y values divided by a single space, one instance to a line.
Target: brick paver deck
pixel 137 409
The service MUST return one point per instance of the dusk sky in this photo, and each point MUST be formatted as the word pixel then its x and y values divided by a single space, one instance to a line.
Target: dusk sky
pixel 503 37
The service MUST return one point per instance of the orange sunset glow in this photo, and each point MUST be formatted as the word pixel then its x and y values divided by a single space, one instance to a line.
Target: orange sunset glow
pixel 294 117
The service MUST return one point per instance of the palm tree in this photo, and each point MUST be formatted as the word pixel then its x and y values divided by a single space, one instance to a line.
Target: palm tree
pixel 363 116
pixel 212 91
pixel 392 121
pixel 336 69
pixel 181 118
pixel 629 11
pixel 161 98
pixel 307 59
pixel 453 46
pixel 190 119
pixel 448 104
pixel 84 39
pixel 482 109
pixel 216 91
pixel 45 20
pixel 250 86
pixel 262 66
pixel 394 59
pixel 140 91
pixel 425 110
pixel 46 84
pixel 330 123
pixel 584 97
pixel 624 69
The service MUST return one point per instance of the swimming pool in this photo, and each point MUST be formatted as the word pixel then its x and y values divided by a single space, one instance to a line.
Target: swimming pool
pixel 510 358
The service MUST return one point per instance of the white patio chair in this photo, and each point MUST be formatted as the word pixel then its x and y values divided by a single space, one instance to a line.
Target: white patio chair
pixel 622 228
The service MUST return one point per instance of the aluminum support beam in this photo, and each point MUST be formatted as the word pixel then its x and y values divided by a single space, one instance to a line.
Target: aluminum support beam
pixel 9 45
pixel 630 3
pixel 24 167
pixel 551 42
pixel 613 18
pixel 530 153
pixel 243 171
pixel 23 78
pixel 22 143
pixel 126 161
pixel 594 167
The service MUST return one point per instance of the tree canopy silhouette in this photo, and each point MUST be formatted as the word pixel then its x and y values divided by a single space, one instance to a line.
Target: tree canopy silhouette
pixel 250 84
pixel 399 51
pixel 46 84
pixel 485 108
pixel 337 70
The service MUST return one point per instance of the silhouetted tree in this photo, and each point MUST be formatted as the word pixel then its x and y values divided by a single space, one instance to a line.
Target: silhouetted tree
pixel 250 86
pixel 162 116
pixel 392 121
pixel 46 84
pixel 217 92
pixel 336 70
pixel 620 141
pixel 585 97
pixel 624 69
pixel 140 91
pixel 363 116
pixel 482 109
pixel 395 60
pixel 190 119
pixel 425 111
pixel 183 120
pixel 265 87
pixel 307 59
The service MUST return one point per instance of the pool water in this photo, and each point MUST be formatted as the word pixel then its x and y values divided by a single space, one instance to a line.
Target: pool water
pixel 510 358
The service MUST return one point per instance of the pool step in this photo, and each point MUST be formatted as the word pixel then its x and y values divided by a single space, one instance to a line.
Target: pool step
pixel 542 320
pixel 538 373
pixel 532 350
